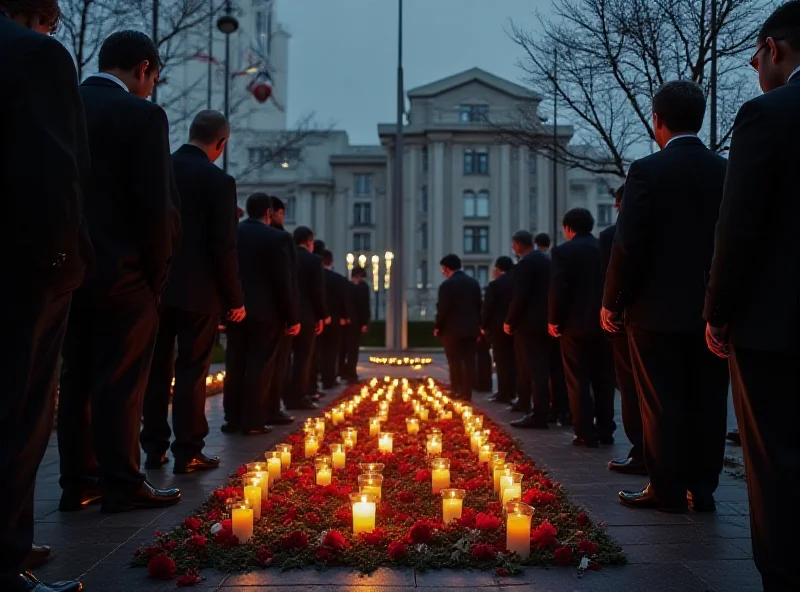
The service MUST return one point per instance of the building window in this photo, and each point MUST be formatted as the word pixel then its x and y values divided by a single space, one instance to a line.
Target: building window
pixel 288 158
pixel 291 208
pixel 605 214
pixel 422 275
pixel 423 200
pixel 424 159
pixel 422 237
pixel 479 272
pixel 476 239
pixel 532 201
pixel 476 205
pixel 362 214
pixel 602 188
pixel 473 113
pixel 362 242
pixel 258 156
pixel 578 191
pixel 362 184
pixel 476 162
pixel 532 160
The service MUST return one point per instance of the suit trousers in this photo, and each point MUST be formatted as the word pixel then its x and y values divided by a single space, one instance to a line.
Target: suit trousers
pixel 483 367
pixel 279 385
pixel 353 343
pixel 329 342
pixel 341 358
pixel 195 333
pixel 588 368
pixel 559 398
pixel 626 383
pixel 302 364
pixel 251 358
pixel 505 364
pixel 107 355
pixel 460 353
pixel 766 398
pixel 533 351
pixel 33 334
pixel 683 391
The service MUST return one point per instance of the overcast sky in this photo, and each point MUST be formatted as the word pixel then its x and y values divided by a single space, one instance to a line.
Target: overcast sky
pixel 343 53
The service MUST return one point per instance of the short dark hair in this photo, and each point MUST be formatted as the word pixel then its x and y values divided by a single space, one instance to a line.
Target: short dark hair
pixel 451 262
pixel 125 50
pixel 504 263
pixel 327 257
pixel 682 106
pixel 302 234
pixel 208 127
pixel 258 205
pixel 358 271
pixel 542 240
pixel 580 220
pixel 277 204
pixel 47 10
pixel 523 237
pixel 319 247
pixel 619 193
pixel 783 23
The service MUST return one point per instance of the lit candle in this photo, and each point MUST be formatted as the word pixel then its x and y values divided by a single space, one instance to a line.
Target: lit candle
pixel 350 433
pixel 434 444
pixel 348 443
pixel 242 522
pixel 475 441
pixel 363 512
pixel 256 467
pixel 371 467
pixel 506 479
pixel 320 426
pixel 338 416
pixel 286 454
pixel 440 474
pixel 385 442
pixel 412 425
pixel 338 456
pixel 485 453
pixel 273 465
pixel 371 483
pixel 423 413
pixel 452 504
pixel 374 426
pixel 497 463
pixel 252 495
pixel 518 528
pixel 263 478
pixel 323 467
pixel 312 445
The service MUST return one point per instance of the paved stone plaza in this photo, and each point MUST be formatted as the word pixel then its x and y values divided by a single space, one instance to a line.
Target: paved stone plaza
pixel 690 552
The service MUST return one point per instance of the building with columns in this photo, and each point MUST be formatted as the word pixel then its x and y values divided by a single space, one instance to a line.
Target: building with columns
pixel 465 192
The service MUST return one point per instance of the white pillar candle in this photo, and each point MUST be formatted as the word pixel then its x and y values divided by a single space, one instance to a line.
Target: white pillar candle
pixel 338 456
pixel 452 504
pixel 440 474
pixel 311 446
pixel 374 426
pixel 363 512
pixel 324 475
pixel 385 442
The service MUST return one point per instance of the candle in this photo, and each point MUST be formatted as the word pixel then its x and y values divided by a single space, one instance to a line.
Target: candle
pixel 412 425
pixel 263 478
pixel 320 427
pixel 385 442
pixel 505 479
pixel 363 512
pixel 273 465
pixel 242 522
pixel 371 467
pixel 475 441
pixel 374 426
pixel 256 467
pixel 312 445
pixel 512 492
pixel 497 463
pixel 440 474
pixel 338 416
pixel 286 454
pixel 350 433
pixel 324 475
pixel 452 504
pixel 423 413
pixel 518 528
pixel 252 495
pixel 434 444
pixel 485 453
pixel 338 456
pixel 348 443
pixel 371 483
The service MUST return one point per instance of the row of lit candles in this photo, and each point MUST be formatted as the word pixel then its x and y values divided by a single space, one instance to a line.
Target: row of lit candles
pixel 414 362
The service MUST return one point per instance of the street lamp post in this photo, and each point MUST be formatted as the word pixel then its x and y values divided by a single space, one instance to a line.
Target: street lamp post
pixel 713 109
pixel 376 269
pixel 555 147
pixel 227 24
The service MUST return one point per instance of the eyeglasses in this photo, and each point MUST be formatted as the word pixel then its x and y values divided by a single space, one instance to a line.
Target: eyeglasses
pixel 754 59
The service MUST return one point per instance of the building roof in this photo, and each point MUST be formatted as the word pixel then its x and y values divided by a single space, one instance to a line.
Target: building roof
pixel 473 75
pixel 360 154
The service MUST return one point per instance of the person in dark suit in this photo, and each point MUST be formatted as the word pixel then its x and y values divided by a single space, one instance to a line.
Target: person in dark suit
pixel 359 322
pixel 132 211
pixel 313 312
pixel 527 322
pixel 278 213
pixel 313 392
pixel 203 284
pixel 633 464
pixel 752 306
pixel 458 324
pixel 339 303
pixel 45 250
pixel 576 293
pixel 273 317
pixel 542 242
pixel 659 283
pixel 493 315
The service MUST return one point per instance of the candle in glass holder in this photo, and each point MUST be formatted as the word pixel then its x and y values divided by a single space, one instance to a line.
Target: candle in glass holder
pixel 452 504
pixel 255 467
pixel 263 478
pixel 504 479
pixel 440 474
pixel 338 456
pixel 475 441
pixel 385 442
pixel 273 465
pixel 374 426
pixel 320 427
pixel 323 467
pixel 423 413
pixel 363 512
pixel 518 528
pixel 434 444
pixel 242 522
pixel 371 483
pixel 252 495
pixel 412 425
pixel 497 465
pixel 511 487
pixel 350 433
pixel 371 467
pixel 286 454
pixel 311 446
pixel 485 453
pixel 338 415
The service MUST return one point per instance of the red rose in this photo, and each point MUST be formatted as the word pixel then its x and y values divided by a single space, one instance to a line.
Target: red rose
pixel 264 556
pixel 335 541
pixel 198 541
pixel 421 533
pixel 192 524
pixel 376 537
pixel 473 484
pixel 214 516
pixel 483 552
pixel 501 572
pixel 344 514
pixel 563 556
pixel 190 578
pixel 290 515
pixel 241 471
pixel 406 497
pixel 225 539
pixel 594 566
pixel 467 519
pixel 537 497
pixel 547 484
pixel 487 522
pixel 312 518
pixel 422 475
pixel 583 520
pixel 544 535
pixel 587 547
pixel 227 524
pixel 295 540
pixel 397 550
pixel 161 567
pixel 289 474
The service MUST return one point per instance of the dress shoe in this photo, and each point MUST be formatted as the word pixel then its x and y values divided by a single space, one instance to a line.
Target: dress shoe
pixel 230 428
pixel 565 419
pixel 553 417
pixel 530 422
pixel 607 440
pixel 585 442
pixel 628 466
pixel 76 500
pixel 701 503
pixel 201 462
pixel 259 431
pixel 36 557
pixel 329 386
pixel 733 436
pixel 26 582
pixel 520 407
pixel 155 461
pixel 279 419
pixel 647 499
pixel 145 497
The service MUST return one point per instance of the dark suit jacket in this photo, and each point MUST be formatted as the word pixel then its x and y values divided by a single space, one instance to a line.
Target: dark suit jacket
pixel 576 286
pixel 606 242
pixel 45 163
pixel 132 205
pixel 755 275
pixel 268 275
pixel 528 309
pixel 362 313
pixel 661 256
pixel 204 276
pixel 337 296
pixel 458 311
pixel 496 301
pixel 310 281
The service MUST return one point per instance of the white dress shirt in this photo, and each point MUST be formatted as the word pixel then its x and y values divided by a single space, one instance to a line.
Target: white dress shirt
pixel 679 137
pixel 793 74
pixel 113 78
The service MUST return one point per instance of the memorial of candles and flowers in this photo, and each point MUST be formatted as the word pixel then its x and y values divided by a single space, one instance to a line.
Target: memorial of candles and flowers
pixel 395 474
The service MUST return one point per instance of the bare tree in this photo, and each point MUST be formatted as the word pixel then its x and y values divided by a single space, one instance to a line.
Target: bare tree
pixel 603 60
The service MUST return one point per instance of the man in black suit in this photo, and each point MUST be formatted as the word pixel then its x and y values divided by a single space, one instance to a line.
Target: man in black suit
pixel 753 301
pixel 273 317
pixel 633 464
pixel 576 293
pixel 339 303
pixel 542 242
pixel 458 324
pixel 316 363
pixel 132 211
pixel 313 312
pixel 659 283
pixel 45 253
pixel 527 322
pixel 359 322
pixel 203 284
pixel 278 213
pixel 495 308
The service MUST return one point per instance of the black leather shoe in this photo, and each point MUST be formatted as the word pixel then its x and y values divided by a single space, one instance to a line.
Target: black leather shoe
pixel 155 461
pixel 257 431
pixel 76 500
pixel 530 422
pixel 701 503
pixel 647 499
pixel 585 442
pixel 565 419
pixel 26 582
pixel 280 419
pixel 146 497
pixel 37 557
pixel 201 462
pixel 607 440
pixel 230 428
pixel 520 407
pixel 628 466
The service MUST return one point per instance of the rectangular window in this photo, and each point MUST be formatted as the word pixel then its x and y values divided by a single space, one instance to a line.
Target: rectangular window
pixel 423 200
pixel 291 208
pixel 258 156
pixel 424 159
pixel 532 158
pixel 362 242
pixel 482 275
pixel 483 163
pixel 532 201
pixel 422 237
pixel 605 214
pixel 476 205
pixel 476 239
pixel 469 162
pixel 422 275
pixel 603 189
pixel 362 214
pixel 362 185
pixel 473 113
pixel 289 158
pixel 476 162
